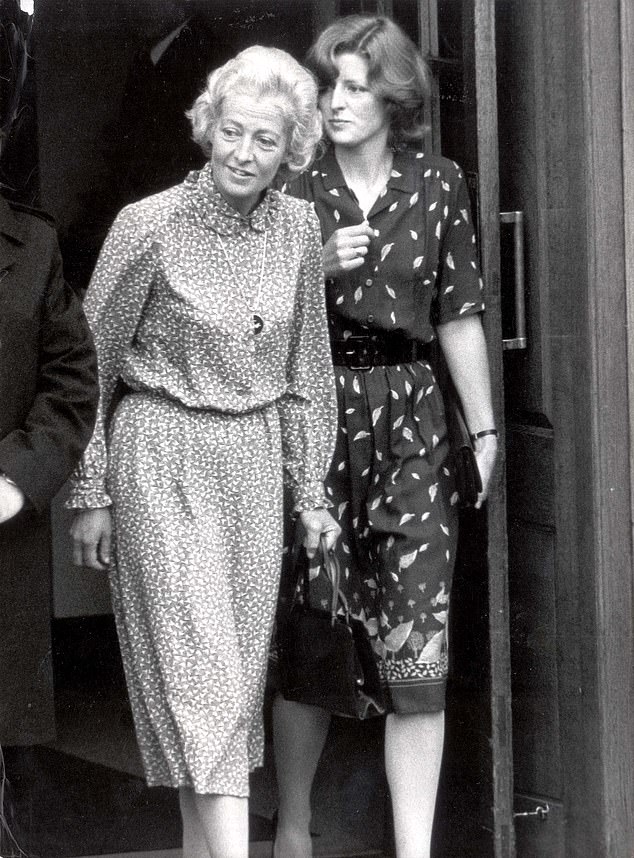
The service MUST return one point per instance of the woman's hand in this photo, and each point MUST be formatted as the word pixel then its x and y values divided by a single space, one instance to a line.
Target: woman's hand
pixel 486 450
pixel 316 522
pixel 347 248
pixel 12 499
pixel 91 532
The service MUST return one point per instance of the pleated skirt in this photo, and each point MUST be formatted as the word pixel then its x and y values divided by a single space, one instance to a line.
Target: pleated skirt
pixel 197 501
pixel 392 489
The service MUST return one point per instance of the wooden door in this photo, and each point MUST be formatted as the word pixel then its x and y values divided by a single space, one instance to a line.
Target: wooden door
pixel 524 186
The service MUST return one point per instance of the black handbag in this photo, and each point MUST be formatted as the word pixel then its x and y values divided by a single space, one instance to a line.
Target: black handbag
pixel 325 657
pixel 465 466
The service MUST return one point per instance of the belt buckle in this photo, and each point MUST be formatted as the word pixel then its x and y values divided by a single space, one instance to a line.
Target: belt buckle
pixel 364 354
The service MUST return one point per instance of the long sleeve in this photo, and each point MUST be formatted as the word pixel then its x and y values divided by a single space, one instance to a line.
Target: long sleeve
pixel 41 453
pixel 114 305
pixel 308 411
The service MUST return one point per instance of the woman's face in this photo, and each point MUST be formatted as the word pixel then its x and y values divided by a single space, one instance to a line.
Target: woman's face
pixel 353 114
pixel 248 147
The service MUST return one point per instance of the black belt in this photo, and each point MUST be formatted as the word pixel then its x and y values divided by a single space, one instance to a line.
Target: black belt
pixel 364 352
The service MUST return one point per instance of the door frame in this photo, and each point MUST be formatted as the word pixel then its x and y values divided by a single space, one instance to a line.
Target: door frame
pixel 593 421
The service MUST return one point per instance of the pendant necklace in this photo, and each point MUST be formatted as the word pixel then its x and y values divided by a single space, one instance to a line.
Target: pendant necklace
pixel 258 321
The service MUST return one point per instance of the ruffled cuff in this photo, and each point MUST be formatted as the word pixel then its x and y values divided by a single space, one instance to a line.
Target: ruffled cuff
pixel 309 498
pixel 88 496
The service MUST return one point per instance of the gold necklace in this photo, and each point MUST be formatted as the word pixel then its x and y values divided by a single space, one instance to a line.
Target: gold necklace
pixel 258 321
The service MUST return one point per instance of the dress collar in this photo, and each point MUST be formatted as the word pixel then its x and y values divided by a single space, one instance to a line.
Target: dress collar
pixel 404 175
pixel 221 216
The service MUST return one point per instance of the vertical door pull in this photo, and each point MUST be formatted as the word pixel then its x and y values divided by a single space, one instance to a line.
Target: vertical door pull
pixel 518 341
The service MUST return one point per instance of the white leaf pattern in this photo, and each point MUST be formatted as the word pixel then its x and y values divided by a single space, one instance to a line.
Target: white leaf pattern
pixel 451 264
pixel 418 262
pixel 358 294
pixel 385 250
pixel 376 414
pixel 413 199
pixel 390 292
pixel 406 560
pixel 414 234
pixel 397 637
pixel 407 516
pixel 361 435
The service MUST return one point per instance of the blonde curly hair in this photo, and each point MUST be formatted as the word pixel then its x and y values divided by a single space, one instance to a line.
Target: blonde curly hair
pixel 264 72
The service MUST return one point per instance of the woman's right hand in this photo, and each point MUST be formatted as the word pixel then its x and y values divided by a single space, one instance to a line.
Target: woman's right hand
pixel 347 248
pixel 91 532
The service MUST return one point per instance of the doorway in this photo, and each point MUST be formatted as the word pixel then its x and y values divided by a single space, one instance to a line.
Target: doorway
pixel 85 53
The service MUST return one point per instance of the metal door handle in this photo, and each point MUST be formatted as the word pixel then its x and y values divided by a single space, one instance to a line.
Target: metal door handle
pixel 541 811
pixel 519 340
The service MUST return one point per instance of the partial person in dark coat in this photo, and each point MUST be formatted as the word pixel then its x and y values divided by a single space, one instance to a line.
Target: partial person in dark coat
pixel 48 396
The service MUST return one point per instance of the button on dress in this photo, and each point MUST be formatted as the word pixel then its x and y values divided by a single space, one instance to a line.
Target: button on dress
pixel 390 483
pixel 212 417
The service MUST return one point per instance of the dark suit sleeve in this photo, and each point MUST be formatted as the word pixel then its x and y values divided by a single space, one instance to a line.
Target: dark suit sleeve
pixel 40 455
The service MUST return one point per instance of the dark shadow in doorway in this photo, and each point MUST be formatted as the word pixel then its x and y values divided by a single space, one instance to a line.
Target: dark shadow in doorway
pixel 61 806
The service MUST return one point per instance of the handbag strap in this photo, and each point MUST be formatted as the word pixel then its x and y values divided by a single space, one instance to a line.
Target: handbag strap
pixel 332 570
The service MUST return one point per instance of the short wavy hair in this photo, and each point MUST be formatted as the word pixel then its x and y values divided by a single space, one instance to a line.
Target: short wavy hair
pixel 264 72
pixel 397 73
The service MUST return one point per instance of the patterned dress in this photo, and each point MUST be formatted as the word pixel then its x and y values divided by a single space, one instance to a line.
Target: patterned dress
pixel 192 458
pixel 390 483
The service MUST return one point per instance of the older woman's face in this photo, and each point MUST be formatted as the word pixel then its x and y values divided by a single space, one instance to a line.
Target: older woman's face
pixel 248 146
pixel 353 114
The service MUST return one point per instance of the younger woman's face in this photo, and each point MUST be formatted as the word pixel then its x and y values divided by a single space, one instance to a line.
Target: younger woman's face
pixel 248 146
pixel 353 114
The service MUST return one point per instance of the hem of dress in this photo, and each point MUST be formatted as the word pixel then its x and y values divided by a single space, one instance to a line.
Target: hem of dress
pixel 214 788
pixel 418 698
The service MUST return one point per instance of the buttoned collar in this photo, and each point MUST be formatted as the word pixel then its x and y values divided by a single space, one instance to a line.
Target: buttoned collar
pixel 404 175
pixel 221 216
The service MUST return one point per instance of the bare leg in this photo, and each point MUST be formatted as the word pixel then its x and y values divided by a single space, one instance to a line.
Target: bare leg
pixel 299 736
pixel 194 843
pixel 413 753
pixel 214 826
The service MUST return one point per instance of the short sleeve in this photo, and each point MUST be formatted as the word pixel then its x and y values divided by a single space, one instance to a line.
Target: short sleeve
pixel 459 287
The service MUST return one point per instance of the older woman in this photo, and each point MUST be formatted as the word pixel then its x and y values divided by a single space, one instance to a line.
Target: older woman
pixel 208 313
pixel 402 269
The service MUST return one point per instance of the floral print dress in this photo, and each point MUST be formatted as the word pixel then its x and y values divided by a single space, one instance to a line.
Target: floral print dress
pixel 192 458
pixel 390 482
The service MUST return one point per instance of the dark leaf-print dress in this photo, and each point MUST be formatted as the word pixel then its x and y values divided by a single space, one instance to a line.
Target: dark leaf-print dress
pixel 195 454
pixel 390 482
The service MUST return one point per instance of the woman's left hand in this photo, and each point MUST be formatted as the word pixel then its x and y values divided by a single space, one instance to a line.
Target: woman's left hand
pixel 316 522
pixel 486 450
